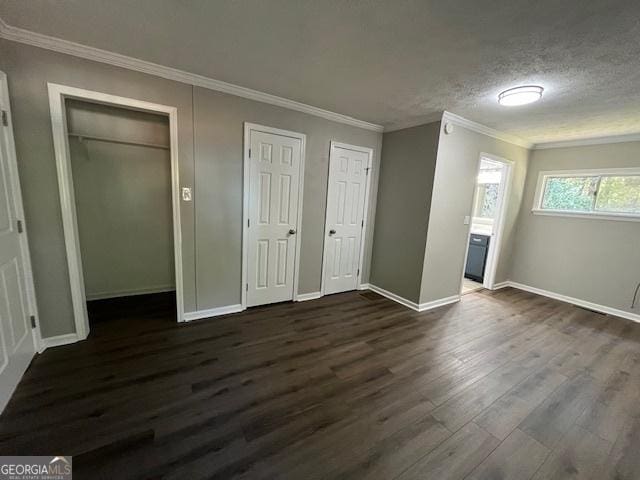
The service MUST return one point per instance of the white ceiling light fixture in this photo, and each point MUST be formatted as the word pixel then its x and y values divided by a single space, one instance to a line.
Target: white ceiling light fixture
pixel 520 95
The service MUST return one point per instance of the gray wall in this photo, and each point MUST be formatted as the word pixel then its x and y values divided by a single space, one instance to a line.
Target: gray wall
pixel 404 200
pixel 452 199
pixel 218 136
pixel 210 161
pixel 123 199
pixel 589 259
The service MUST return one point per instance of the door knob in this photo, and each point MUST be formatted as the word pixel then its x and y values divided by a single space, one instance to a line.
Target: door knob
pixel 292 232
pixel 332 232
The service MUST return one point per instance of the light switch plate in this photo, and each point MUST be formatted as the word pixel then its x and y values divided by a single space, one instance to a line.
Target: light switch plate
pixel 186 194
pixel 467 219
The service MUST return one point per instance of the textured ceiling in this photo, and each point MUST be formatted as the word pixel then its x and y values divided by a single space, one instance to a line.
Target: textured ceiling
pixel 392 62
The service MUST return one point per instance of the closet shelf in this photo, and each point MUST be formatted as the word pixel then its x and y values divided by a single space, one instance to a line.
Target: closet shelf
pixel 115 140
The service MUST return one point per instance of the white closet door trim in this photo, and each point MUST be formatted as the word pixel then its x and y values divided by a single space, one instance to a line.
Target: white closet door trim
pixel 57 96
pixel 248 127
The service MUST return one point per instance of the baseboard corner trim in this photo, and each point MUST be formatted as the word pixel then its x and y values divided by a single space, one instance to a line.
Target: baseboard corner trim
pixel 392 296
pixel 212 312
pixel 499 285
pixel 364 286
pixel 441 302
pixel 58 341
pixel 576 301
pixel 303 297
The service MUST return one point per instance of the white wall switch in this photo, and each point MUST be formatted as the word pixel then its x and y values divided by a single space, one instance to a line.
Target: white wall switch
pixel 467 219
pixel 186 194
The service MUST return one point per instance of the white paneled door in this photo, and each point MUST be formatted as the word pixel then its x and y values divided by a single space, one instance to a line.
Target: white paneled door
pixel 16 341
pixel 275 168
pixel 344 228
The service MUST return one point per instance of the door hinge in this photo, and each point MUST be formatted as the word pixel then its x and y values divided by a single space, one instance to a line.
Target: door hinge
pixel 362 224
pixel 33 321
pixel 248 222
pixel 19 222
pixel 247 287
pixel 5 118
pixel 358 272
pixel 249 153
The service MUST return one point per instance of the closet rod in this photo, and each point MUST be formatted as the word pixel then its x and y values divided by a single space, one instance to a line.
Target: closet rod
pixel 115 140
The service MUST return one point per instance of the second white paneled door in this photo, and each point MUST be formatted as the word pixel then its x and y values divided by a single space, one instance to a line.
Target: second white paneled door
pixel 347 197
pixel 274 170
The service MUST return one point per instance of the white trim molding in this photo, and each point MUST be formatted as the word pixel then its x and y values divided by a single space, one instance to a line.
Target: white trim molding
pixel 583 142
pixel 57 96
pixel 544 176
pixel 484 130
pixel 212 312
pixel 412 305
pixel 27 37
pixel 58 341
pixel 441 302
pixel 572 300
pixel 303 297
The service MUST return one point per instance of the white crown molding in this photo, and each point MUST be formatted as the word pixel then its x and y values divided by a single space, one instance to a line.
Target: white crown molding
pixel 27 37
pixel 484 130
pixel 582 142
pixel 412 123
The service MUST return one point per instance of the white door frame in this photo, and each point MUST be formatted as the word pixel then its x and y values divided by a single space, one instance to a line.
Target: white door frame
pixel 365 217
pixel 495 242
pixel 246 189
pixel 12 163
pixel 57 96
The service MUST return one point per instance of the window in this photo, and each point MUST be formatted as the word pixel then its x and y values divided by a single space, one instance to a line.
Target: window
pixel 613 193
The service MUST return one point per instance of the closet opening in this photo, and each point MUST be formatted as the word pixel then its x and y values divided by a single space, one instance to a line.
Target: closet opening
pixel 122 186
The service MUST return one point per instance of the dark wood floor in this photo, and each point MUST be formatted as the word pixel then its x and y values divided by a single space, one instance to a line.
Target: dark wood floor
pixel 503 385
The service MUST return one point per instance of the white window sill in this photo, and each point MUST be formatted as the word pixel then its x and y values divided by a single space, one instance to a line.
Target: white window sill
pixel 625 217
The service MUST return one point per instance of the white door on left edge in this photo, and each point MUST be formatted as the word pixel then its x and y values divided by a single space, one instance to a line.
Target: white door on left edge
pixel 275 162
pixel 16 342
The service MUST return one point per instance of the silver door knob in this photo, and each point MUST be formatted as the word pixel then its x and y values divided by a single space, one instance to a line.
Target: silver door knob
pixel 292 232
pixel 332 232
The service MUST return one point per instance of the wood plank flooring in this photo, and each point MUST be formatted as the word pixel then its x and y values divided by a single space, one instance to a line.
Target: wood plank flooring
pixel 503 385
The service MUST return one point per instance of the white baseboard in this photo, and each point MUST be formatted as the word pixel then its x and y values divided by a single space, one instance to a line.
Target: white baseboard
pixel 394 297
pixel 498 286
pixel 303 297
pixel 412 305
pixel 58 341
pixel 438 303
pixel 364 286
pixel 575 301
pixel 212 312
pixel 130 293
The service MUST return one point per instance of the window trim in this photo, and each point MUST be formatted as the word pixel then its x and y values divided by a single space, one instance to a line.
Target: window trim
pixel 544 175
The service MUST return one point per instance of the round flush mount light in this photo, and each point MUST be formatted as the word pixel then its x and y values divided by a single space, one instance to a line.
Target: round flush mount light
pixel 520 95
